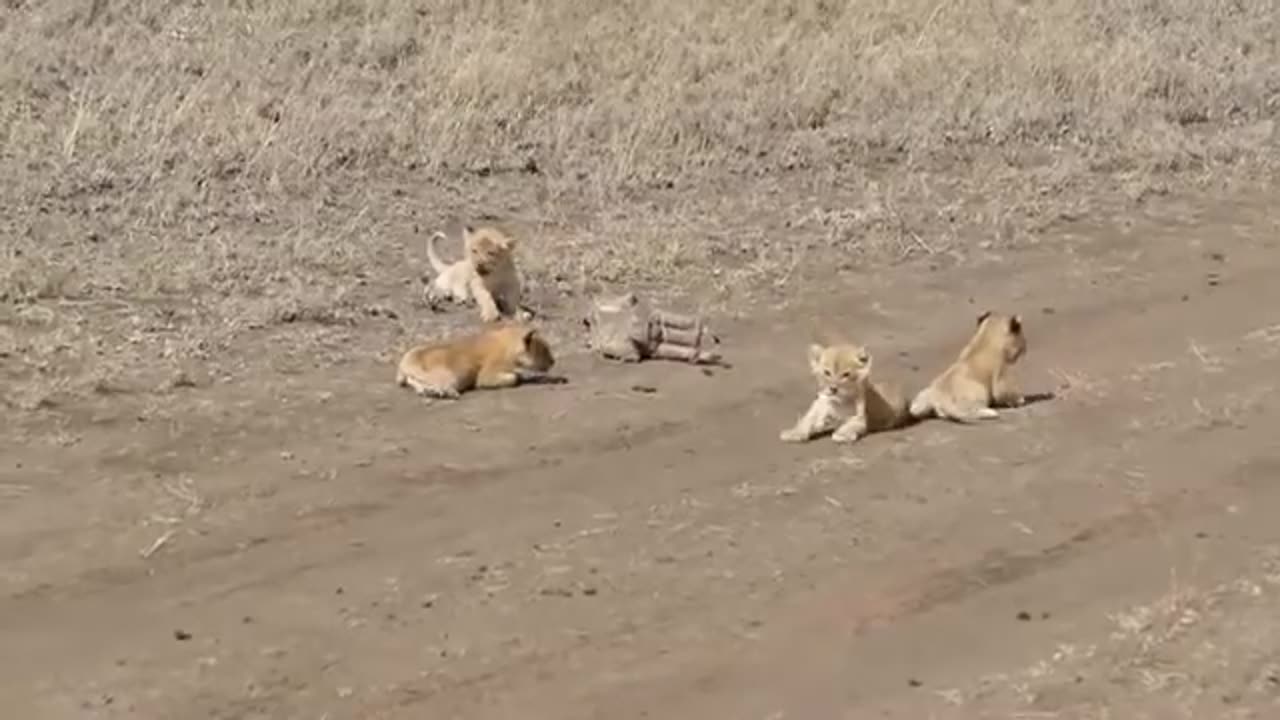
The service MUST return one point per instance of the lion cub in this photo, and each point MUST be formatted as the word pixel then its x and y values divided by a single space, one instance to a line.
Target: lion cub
pixel 499 356
pixel 847 401
pixel 486 274
pixel 978 381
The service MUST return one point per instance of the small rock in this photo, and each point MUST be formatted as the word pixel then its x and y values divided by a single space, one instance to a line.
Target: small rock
pixel 914 683
pixel 181 635
pixel 1024 616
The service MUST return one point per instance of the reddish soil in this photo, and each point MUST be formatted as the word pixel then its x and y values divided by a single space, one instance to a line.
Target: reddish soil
pixel 334 548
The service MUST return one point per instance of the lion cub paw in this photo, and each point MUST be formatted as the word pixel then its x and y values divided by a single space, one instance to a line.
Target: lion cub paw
pixel 439 393
pixel 793 435
pixel 845 436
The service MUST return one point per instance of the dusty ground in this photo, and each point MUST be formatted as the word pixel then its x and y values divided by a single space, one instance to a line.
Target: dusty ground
pixel 333 548
pixel 214 503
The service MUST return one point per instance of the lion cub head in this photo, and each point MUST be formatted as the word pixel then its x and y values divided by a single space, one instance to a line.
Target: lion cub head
pixel 1000 334
pixel 533 352
pixel 488 249
pixel 839 369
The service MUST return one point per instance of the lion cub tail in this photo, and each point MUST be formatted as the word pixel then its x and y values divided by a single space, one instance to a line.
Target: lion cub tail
pixel 437 263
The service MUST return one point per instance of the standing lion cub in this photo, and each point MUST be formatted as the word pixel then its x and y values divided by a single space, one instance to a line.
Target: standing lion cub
pixel 486 274
pixel 498 356
pixel 848 402
pixel 978 381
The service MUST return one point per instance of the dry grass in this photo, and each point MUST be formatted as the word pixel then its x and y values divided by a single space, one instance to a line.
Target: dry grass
pixel 287 92
pixel 174 175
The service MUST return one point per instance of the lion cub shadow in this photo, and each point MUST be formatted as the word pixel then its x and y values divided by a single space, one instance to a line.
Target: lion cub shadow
pixel 1038 397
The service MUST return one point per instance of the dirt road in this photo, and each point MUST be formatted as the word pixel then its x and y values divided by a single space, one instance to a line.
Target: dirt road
pixel 325 546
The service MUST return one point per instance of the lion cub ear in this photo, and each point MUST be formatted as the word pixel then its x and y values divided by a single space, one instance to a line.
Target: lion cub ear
pixel 985 314
pixel 529 337
pixel 864 357
pixel 815 354
pixel 1015 324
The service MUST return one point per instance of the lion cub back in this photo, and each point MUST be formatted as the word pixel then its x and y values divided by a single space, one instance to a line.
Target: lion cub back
pixel 460 364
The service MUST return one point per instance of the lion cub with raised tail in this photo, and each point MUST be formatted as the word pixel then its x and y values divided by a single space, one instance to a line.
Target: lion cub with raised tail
pixel 978 381
pixel 486 274
pixel 848 402
pixel 500 356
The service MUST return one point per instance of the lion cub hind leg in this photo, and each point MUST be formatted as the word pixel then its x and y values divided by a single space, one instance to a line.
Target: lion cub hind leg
pixel 971 415
pixel 922 405
pixel 818 419
pixel 962 409
pixel 438 384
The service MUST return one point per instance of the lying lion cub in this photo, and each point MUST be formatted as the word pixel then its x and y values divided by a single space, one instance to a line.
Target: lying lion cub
pixel 486 274
pixel 847 401
pixel 978 381
pixel 499 356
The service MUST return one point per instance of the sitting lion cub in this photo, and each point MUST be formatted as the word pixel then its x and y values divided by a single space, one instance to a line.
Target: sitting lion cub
pixel 847 401
pixel 978 380
pixel 487 274
pixel 499 356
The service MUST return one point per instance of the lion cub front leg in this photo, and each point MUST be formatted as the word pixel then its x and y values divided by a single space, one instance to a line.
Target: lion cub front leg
pixel 491 378
pixel 818 418
pixel 489 310
pixel 539 377
pixel 853 428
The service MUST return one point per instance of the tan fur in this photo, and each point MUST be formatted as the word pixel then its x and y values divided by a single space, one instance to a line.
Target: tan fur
pixel 486 275
pixel 848 402
pixel 502 355
pixel 978 381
